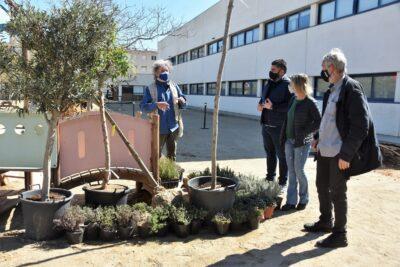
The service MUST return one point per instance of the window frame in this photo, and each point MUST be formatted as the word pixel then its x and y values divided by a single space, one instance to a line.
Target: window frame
pixel 235 37
pixel 222 88
pixel 371 98
pixel 197 88
pixel 286 23
pixel 242 88
pixel 218 45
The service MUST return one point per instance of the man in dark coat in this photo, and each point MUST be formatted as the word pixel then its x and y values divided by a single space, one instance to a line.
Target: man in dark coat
pixel 346 145
pixel 273 106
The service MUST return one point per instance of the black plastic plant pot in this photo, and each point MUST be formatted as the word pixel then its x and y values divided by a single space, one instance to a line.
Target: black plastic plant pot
pixel 74 237
pixel 125 233
pixel 163 231
pixel 39 215
pixel 182 230
pixel 221 199
pixel 236 227
pixel 222 228
pixel 95 197
pixel 92 231
pixel 254 223
pixel 107 235
pixel 172 183
pixel 143 231
pixel 195 227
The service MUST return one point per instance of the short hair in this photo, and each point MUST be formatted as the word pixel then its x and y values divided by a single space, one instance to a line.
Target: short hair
pixel 161 63
pixel 336 58
pixel 301 82
pixel 280 63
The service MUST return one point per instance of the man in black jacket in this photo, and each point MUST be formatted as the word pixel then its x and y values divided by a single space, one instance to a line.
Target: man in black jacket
pixel 273 106
pixel 346 145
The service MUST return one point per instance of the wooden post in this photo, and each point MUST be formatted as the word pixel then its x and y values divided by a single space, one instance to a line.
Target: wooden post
pixel 155 146
pixel 28 180
pixel 132 151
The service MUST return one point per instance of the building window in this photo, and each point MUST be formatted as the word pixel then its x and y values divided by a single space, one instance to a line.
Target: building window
pixel 247 37
pixel 196 89
pixel 153 57
pixel 364 5
pixel 243 88
pixel 298 21
pixel 344 8
pixel 276 28
pixel 327 12
pixel 377 87
pixel 385 2
pixel 293 22
pixel 184 88
pixel 173 60
pixel 215 47
pixel 211 88
pixel 197 53
pixel 182 58
pixel 304 20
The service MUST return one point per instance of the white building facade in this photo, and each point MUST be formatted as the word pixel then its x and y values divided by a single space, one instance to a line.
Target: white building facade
pixel 299 31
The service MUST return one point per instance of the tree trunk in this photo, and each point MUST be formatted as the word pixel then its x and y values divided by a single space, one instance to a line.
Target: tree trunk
pixel 216 99
pixel 51 136
pixel 107 174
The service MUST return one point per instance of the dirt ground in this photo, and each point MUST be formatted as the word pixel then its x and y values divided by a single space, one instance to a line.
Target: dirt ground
pixel 373 221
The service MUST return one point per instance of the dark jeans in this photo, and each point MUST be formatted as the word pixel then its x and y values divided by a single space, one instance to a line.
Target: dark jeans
pixel 274 151
pixel 170 140
pixel 332 189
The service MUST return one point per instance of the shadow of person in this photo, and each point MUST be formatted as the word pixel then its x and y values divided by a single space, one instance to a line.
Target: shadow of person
pixel 273 256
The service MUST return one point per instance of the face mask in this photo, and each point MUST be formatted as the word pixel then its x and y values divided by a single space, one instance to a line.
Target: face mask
pixel 325 75
pixel 164 76
pixel 273 76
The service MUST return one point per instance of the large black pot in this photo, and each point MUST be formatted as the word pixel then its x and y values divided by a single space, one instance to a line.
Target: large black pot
pixel 74 237
pixel 215 200
pixel 39 215
pixel 96 198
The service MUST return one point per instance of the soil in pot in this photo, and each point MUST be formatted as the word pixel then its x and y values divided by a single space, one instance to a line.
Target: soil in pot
pixel 53 196
pixel 269 212
pixel 170 183
pixel 222 228
pixel 125 233
pixel 143 232
pixel 107 235
pixel 254 223
pixel 182 230
pixel 74 237
pixel 195 226
pixel 92 231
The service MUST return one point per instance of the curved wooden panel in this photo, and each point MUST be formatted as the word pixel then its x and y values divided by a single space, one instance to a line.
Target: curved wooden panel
pixel 81 143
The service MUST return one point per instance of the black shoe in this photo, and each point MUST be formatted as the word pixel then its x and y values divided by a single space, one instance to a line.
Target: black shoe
pixel 288 207
pixel 301 206
pixel 334 240
pixel 318 227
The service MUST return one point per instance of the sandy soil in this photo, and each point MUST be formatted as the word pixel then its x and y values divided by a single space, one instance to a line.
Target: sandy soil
pixel 373 226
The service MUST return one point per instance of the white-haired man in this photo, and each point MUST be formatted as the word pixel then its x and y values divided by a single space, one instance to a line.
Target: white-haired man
pixel 166 97
pixel 346 145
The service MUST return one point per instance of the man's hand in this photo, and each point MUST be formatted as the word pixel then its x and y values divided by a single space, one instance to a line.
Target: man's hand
pixel 162 106
pixel 180 100
pixel 343 165
pixel 260 107
pixel 314 144
pixel 268 104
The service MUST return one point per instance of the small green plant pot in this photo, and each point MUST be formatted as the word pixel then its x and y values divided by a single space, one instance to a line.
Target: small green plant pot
pixel 91 231
pixel 74 237
pixel 222 228
pixel 163 231
pixel 107 235
pixel 125 233
pixel 195 226
pixel 182 230
pixel 254 223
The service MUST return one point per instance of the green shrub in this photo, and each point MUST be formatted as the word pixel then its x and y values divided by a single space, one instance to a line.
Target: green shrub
pixel 72 220
pixel 238 213
pixel 169 170
pixel 159 218
pixel 221 218
pixel 221 172
pixel 180 215
pixel 197 213
pixel 107 219
pixel 124 216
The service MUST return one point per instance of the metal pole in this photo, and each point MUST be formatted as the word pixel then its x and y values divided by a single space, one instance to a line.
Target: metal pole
pixel 205 117
pixel 133 108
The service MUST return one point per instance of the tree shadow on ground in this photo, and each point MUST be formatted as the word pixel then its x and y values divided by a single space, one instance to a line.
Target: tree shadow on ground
pixel 273 256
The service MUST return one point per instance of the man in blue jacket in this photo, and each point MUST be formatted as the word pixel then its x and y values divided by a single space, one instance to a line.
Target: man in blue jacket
pixel 273 106
pixel 164 96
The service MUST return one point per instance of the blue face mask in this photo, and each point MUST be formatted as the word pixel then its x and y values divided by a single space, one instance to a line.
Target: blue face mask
pixel 164 76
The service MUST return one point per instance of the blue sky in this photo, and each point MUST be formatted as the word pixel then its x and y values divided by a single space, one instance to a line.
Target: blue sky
pixel 180 9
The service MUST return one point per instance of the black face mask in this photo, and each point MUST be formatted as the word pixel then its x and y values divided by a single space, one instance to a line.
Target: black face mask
pixel 325 75
pixel 273 76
